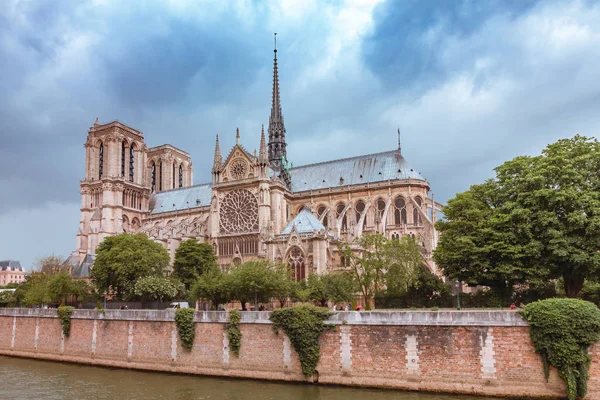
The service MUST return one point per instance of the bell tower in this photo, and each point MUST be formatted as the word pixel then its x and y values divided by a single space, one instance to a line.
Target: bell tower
pixel 114 193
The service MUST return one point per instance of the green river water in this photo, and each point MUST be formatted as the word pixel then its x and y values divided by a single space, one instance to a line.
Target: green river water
pixel 34 379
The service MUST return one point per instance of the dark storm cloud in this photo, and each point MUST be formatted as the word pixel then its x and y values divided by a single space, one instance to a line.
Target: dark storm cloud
pixel 471 83
pixel 406 46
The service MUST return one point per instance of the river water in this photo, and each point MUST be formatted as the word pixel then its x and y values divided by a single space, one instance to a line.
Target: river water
pixel 34 379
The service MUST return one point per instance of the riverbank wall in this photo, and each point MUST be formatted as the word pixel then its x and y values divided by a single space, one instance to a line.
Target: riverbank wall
pixel 469 352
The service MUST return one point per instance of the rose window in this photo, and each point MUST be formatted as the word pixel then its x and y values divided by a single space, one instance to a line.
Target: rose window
pixel 239 212
pixel 238 169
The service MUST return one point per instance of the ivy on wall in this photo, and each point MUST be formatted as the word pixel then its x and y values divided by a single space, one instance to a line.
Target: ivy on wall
pixel 562 330
pixel 303 324
pixel 64 313
pixel 233 331
pixel 184 320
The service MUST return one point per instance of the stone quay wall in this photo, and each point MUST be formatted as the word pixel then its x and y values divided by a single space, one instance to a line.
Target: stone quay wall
pixel 480 352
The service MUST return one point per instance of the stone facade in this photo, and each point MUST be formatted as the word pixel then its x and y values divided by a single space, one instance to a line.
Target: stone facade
pixel 11 272
pixel 258 205
pixel 482 352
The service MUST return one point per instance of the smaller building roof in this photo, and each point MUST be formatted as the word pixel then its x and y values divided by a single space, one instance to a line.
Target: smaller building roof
pixel 305 222
pixel 11 265
pixel 83 270
pixel 181 199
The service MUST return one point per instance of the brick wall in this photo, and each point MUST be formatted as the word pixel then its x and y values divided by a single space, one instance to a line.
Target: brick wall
pixel 487 353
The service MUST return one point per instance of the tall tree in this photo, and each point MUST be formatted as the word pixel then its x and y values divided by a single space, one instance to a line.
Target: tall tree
pixel 123 259
pixel 213 285
pixel 61 286
pixel 192 259
pixel 368 263
pixel 254 281
pixel 538 219
pixel 50 265
pixel 404 260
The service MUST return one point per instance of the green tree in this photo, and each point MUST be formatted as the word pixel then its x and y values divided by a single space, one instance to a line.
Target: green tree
pixel 367 263
pixel 50 265
pixel 35 291
pixel 404 260
pixel 335 287
pixel 61 286
pixel 192 259
pixel 122 260
pixel 157 288
pixel 7 297
pixel 253 281
pixel 537 220
pixel 214 286
pixel 284 284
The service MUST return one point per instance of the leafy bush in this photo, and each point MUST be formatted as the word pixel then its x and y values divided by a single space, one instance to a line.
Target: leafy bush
pixel 303 324
pixel 562 330
pixel 233 331
pixel 64 312
pixel 7 297
pixel 157 288
pixel 184 319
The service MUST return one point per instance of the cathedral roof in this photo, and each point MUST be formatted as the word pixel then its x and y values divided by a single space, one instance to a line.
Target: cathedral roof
pixel 305 222
pixel 369 168
pixel 181 199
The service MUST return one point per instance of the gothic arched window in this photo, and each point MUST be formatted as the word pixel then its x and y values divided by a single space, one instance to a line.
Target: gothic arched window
pixel 417 220
pixel 174 169
pixel 160 176
pixel 339 210
pixel 153 178
pixel 101 161
pixel 380 209
pixel 131 162
pixel 360 208
pixel 123 158
pixel 400 211
pixel 297 264
pixel 180 176
pixel 321 214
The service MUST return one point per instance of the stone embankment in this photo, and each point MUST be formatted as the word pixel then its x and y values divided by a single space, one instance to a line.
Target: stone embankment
pixel 478 352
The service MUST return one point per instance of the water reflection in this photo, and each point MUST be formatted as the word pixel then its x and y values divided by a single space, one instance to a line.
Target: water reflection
pixel 33 379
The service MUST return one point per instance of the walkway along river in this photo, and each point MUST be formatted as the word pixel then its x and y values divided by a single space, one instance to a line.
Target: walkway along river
pixel 34 379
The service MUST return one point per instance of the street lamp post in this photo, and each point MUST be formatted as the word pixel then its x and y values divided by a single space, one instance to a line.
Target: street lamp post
pixel 457 295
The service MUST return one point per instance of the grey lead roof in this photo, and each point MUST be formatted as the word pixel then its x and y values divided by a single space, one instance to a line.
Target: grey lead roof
pixel 370 168
pixel 10 265
pixel 354 170
pixel 181 199
pixel 305 222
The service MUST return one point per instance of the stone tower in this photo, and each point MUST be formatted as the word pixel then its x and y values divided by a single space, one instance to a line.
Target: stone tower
pixel 114 193
pixel 277 144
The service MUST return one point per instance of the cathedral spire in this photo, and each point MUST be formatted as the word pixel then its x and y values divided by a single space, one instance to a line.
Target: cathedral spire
pixel 262 152
pixel 399 144
pixel 237 135
pixel 218 159
pixel 277 145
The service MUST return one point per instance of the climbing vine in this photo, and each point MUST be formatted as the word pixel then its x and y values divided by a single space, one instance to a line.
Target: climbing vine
pixel 562 330
pixel 303 324
pixel 233 331
pixel 184 320
pixel 64 312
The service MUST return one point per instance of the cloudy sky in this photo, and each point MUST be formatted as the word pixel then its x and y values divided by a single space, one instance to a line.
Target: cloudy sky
pixel 470 83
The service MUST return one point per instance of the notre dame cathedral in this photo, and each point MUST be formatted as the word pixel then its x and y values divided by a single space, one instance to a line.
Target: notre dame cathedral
pixel 257 205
